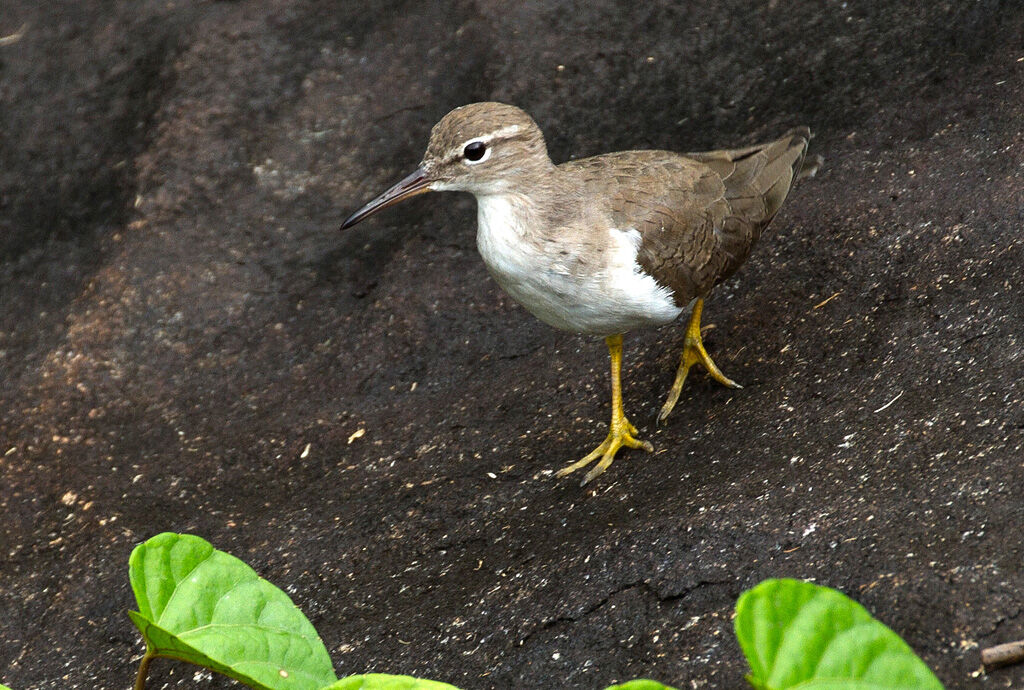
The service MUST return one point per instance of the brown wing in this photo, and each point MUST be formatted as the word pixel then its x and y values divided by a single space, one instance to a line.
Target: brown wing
pixel 756 181
pixel 674 203
pixel 698 214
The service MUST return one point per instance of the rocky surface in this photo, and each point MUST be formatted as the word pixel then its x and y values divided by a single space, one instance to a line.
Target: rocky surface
pixel 187 343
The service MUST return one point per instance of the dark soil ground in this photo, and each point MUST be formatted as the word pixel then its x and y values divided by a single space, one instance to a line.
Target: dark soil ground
pixel 187 342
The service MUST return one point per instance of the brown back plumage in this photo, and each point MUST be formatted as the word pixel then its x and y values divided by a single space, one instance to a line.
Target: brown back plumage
pixel 698 214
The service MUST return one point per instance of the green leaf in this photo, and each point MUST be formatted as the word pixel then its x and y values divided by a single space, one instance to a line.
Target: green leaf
pixel 382 681
pixel 207 607
pixel 4 687
pixel 801 636
pixel 834 684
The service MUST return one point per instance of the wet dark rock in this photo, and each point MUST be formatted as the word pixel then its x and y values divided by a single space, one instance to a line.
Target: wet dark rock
pixel 180 318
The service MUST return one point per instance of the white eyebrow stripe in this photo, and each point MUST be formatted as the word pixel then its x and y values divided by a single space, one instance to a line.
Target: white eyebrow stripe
pixel 506 131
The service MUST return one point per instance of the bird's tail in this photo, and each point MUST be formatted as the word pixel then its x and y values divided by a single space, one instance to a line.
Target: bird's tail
pixel 757 180
pixel 763 174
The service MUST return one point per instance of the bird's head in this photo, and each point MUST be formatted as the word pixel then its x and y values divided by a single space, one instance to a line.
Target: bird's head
pixel 483 148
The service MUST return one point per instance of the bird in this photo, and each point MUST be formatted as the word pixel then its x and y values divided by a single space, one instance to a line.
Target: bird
pixel 607 244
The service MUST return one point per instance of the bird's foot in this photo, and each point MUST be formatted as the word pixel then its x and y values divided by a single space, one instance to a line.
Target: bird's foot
pixel 622 433
pixel 693 353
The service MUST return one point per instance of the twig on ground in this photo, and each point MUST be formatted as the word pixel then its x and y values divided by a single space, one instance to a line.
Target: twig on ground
pixel 822 303
pixel 1003 654
pixel 898 396
pixel 13 38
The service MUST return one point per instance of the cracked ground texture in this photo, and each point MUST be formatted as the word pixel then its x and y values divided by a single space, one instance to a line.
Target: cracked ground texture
pixel 187 343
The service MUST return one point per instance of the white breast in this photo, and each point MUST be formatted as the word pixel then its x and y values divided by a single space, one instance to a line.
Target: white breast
pixel 604 294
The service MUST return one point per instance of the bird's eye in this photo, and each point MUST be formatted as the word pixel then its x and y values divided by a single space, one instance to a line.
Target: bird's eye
pixel 474 151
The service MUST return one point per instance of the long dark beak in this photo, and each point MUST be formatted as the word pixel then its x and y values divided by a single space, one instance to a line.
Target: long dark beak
pixel 415 183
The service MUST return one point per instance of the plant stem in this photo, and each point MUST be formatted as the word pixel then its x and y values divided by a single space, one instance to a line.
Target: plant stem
pixel 140 678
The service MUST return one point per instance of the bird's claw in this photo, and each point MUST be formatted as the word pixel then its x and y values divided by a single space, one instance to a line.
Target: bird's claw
pixel 623 433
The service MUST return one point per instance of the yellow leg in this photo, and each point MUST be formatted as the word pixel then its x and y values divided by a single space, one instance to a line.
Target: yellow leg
pixel 693 352
pixel 621 433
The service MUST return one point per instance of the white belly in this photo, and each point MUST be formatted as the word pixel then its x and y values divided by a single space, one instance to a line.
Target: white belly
pixel 607 293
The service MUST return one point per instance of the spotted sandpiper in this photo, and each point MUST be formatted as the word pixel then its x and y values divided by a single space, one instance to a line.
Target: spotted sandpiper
pixel 606 244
